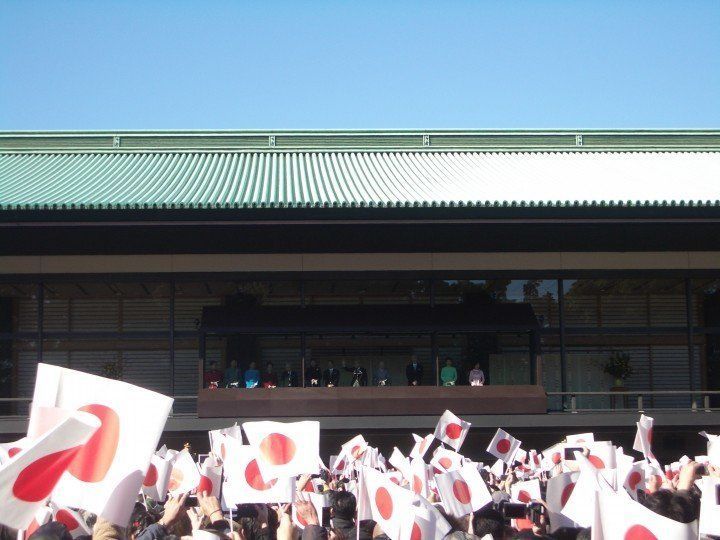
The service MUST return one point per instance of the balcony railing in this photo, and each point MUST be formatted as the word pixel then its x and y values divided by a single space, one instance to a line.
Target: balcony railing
pixel 635 400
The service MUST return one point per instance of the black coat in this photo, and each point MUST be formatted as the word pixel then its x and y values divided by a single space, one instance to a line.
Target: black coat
pixel 358 374
pixel 414 373
pixel 312 373
pixel 331 376
pixel 289 378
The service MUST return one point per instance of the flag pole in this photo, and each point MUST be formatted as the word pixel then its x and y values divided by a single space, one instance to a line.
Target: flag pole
pixel 360 499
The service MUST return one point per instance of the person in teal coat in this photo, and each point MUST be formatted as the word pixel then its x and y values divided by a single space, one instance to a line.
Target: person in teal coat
pixel 448 375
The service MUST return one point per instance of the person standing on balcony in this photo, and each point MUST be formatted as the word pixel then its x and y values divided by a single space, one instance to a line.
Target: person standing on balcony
pixel 231 377
pixel 476 376
pixel 252 376
pixel 269 378
pixel 448 375
pixel 213 377
pixel 312 375
pixel 359 374
pixel 381 377
pixel 414 372
pixel 288 378
pixel 331 376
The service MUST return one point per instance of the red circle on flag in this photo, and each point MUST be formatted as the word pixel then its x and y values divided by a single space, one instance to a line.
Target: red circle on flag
pixel 556 458
pixel 503 446
pixel 222 451
pixel 638 532
pixel 659 479
pixel 205 485
pixel 96 456
pixel 446 462
pixel 634 479
pixel 566 492
pixel 650 436
pixel 461 491
pixel 176 478
pixel 34 526
pixel 255 479
pixel 14 451
pixel 301 519
pixel 423 444
pixel 277 449
pixel 356 451
pixel 417 484
pixel 416 533
pixel 66 518
pixel 37 480
pixel 599 463
pixel 340 465
pixel 384 503
pixel 151 476
pixel 453 431
pixel 524 496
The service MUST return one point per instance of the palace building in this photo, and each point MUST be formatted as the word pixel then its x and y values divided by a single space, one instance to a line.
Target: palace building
pixel 541 256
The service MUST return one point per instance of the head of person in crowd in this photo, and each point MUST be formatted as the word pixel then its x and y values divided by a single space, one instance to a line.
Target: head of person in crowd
pixel 252 365
pixel 682 505
pixel 342 506
pixel 269 367
pixel 448 361
pixel 233 364
pixel 413 360
pixel 312 363
pixel 330 364
pixel 288 367
pixel 489 521
pixel 381 366
pixel 213 366
pixel 477 365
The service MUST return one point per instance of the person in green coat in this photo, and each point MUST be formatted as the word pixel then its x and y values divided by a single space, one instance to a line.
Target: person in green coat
pixel 448 375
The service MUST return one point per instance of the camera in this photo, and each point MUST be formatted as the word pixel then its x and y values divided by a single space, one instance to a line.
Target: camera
pixel 532 511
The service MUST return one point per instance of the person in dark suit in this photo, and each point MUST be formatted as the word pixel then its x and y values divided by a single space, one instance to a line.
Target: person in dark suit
pixel 331 376
pixel 414 372
pixel 312 374
pixel 288 378
pixel 359 374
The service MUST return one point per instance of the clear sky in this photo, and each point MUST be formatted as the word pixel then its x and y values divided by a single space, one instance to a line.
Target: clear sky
pixel 147 64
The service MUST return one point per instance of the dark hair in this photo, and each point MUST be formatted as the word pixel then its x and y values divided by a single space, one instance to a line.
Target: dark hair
pixel 343 504
pixel 140 519
pixel 488 521
pixel 682 506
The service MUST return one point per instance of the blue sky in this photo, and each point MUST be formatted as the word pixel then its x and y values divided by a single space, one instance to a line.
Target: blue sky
pixel 147 64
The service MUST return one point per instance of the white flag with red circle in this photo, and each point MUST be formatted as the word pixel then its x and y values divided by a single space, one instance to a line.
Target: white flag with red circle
pixel 423 522
pixel 42 516
pixel 285 449
pixel 244 483
pixel 634 479
pixel 422 444
pixel 445 460
pixel 400 462
pixel 602 455
pixel 217 438
pixel 559 489
pixel 389 503
pixel 526 492
pixel 28 479
pixel 462 491
pixel 319 501
pixel 107 473
pixel 339 465
pixel 354 448
pixel 644 436
pixel 210 477
pixel 184 475
pixel 157 478
pixel 419 477
pixel 504 446
pixel 621 517
pixel 580 439
pixel 451 430
pixel 74 522
pixel 11 449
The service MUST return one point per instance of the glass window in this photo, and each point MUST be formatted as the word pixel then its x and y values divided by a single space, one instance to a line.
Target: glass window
pixel 625 302
pixel 540 293
pixel 354 292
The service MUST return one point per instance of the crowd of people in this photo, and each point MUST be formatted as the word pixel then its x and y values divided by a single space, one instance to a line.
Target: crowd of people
pixel 508 512
pixel 314 376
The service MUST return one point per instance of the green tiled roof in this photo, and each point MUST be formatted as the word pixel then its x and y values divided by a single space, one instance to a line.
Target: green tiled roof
pixel 357 169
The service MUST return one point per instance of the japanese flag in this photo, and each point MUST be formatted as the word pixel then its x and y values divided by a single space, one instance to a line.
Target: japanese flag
pixel 244 482
pixel 400 462
pixel 621 517
pixel 157 477
pixel 423 522
pixel 526 492
pixel 210 477
pixel 446 460
pixel 559 489
pixel 419 477
pixel 389 503
pixel 28 479
pixel 11 449
pixel 107 473
pixel 71 519
pixel 285 450
pixel 184 476
pixel 580 505
pixel 41 517
pixel 339 465
pixel 580 439
pixel 421 445
pixel 709 506
pixel 503 446
pixel 644 436
pixel 634 478
pixel 354 448
pixel 713 448
pixel 462 491
pixel 498 468
pixel 451 430
pixel 602 455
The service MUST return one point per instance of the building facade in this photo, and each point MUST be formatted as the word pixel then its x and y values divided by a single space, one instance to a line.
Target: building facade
pixel 113 245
